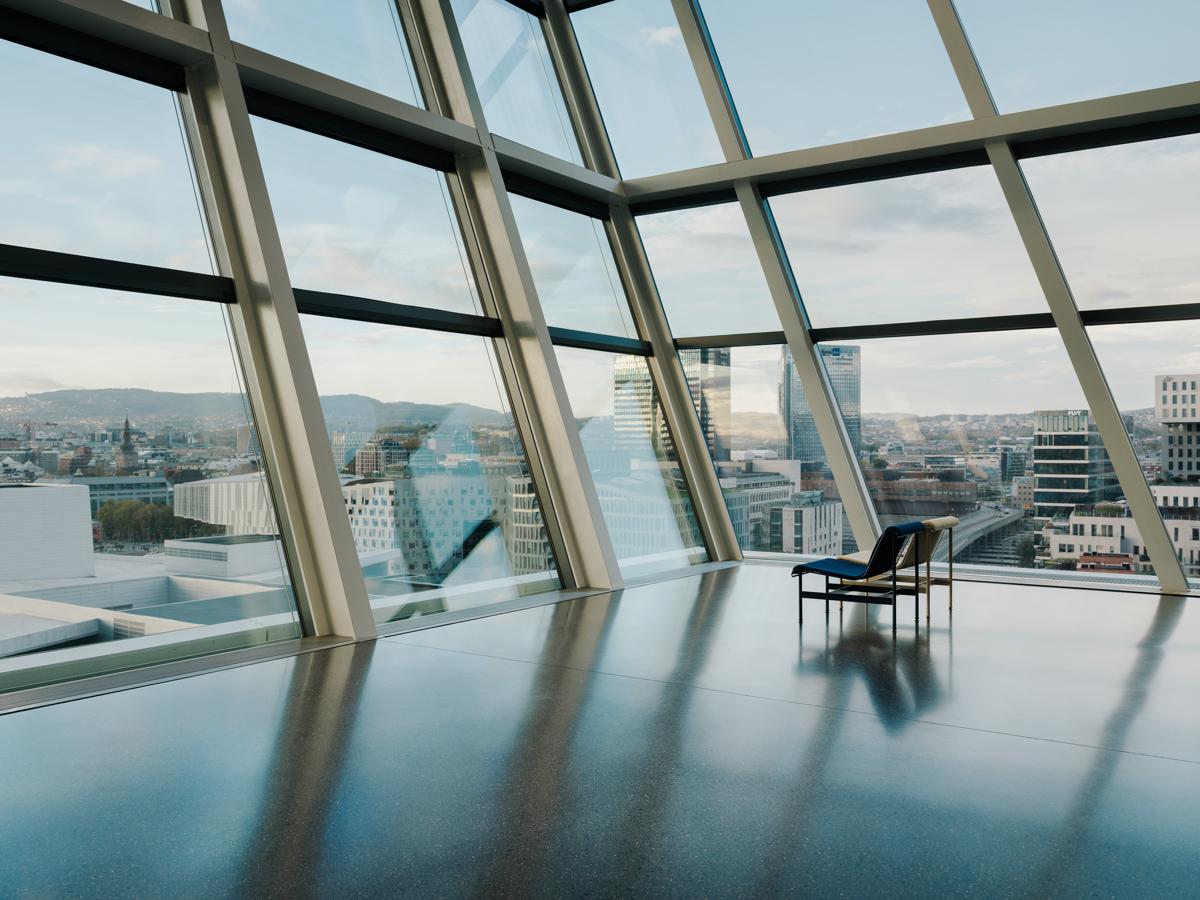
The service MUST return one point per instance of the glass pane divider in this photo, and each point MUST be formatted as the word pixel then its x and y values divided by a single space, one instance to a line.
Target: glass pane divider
pixel 330 586
pixel 1067 319
pixel 633 268
pixel 571 507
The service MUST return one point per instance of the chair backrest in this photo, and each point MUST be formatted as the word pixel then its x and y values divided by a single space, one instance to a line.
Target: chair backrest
pixel 887 549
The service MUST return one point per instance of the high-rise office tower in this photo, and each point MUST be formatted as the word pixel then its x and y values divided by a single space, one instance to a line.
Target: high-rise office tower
pixel 1071 468
pixel 843 366
pixel 636 416
pixel 1178 416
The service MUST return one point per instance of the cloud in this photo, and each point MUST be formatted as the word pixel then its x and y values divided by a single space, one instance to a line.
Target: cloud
pixel 107 163
pixel 661 37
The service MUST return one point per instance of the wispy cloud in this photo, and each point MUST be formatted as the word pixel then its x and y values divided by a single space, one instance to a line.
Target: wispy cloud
pixel 107 163
pixel 662 36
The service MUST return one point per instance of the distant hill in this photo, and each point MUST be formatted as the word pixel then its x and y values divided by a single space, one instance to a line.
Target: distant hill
pixel 110 405
pixel 355 412
pixel 221 410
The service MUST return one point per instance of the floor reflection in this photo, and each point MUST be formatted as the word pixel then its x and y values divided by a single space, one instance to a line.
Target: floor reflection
pixel 1065 851
pixel 303 781
pixel 898 671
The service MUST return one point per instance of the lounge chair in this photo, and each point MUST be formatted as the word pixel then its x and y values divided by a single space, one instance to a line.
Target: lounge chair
pixel 857 580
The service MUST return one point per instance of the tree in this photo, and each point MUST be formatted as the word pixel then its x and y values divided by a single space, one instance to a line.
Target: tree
pixel 1025 551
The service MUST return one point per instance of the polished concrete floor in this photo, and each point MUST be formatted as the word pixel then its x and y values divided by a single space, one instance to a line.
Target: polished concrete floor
pixel 681 739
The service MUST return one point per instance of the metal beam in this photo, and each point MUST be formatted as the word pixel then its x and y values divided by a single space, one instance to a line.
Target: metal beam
pixel 605 343
pixel 266 326
pixel 633 267
pixel 1071 327
pixel 558 465
pixel 362 309
pixel 1105 121
pixel 90 271
pixel 789 305
pixel 982 324
pixel 108 34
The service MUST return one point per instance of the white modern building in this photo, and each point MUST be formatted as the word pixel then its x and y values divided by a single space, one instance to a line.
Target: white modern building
pixel 238 502
pixel 224 556
pixel 1178 414
pixel 45 531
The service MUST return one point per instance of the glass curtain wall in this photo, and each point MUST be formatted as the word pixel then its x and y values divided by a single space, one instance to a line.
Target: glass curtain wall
pixel 632 458
pixel 773 472
pixel 135 517
pixel 434 478
pixel 643 494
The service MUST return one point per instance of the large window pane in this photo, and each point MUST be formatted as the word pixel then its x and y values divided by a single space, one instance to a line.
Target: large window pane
pixel 805 74
pixel 1124 220
pixel 646 87
pixel 94 163
pixel 766 449
pixel 134 514
pixel 991 428
pixel 361 223
pixel 573 269
pixel 1035 53
pixel 707 271
pixel 515 77
pixel 632 458
pixel 938 246
pixel 1153 371
pixel 360 41
pixel 433 473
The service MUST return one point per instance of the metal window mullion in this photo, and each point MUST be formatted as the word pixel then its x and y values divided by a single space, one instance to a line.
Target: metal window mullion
pixel 1067 319
pixel 789 304
pixel 1071 329
pixel 629 255
pixel 328 580
pixel 670 382
pixel 542 410
pixel 827 417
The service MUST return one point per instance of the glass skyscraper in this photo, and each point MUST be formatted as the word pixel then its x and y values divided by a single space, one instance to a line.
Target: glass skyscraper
pixel 845 376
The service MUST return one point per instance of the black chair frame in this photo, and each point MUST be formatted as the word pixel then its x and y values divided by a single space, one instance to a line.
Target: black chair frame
pixel 883 559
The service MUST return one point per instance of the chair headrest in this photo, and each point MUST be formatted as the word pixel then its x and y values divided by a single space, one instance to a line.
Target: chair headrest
pixel 909 527
pixel 941 523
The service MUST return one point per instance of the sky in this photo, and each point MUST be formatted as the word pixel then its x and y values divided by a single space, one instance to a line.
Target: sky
pixel 99 168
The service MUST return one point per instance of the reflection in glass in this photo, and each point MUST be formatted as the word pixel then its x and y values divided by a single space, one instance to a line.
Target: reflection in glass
pixel 1153 370
pixel 131 517
pixel 514 76
pixel 937 246
pixel 360 41
pixel 707 271
pixel 573 269
pixel 992 428
pixel 646 87
pixel 434 476
pixel 1035 53
pixel 1124 220
pixel 361 223
pixel 94 163
pixel 806 74
pixel 632 457
pixel 764 443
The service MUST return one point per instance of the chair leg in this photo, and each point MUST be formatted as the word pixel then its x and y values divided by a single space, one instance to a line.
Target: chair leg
pixel 826 596
pixel 917 586
pixel 950 571
pixel 800 597
pixel 928 589
pixel 893 599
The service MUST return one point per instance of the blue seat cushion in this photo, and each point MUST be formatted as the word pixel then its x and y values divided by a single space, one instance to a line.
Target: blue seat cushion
pixel 906 528
pixel 836 568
